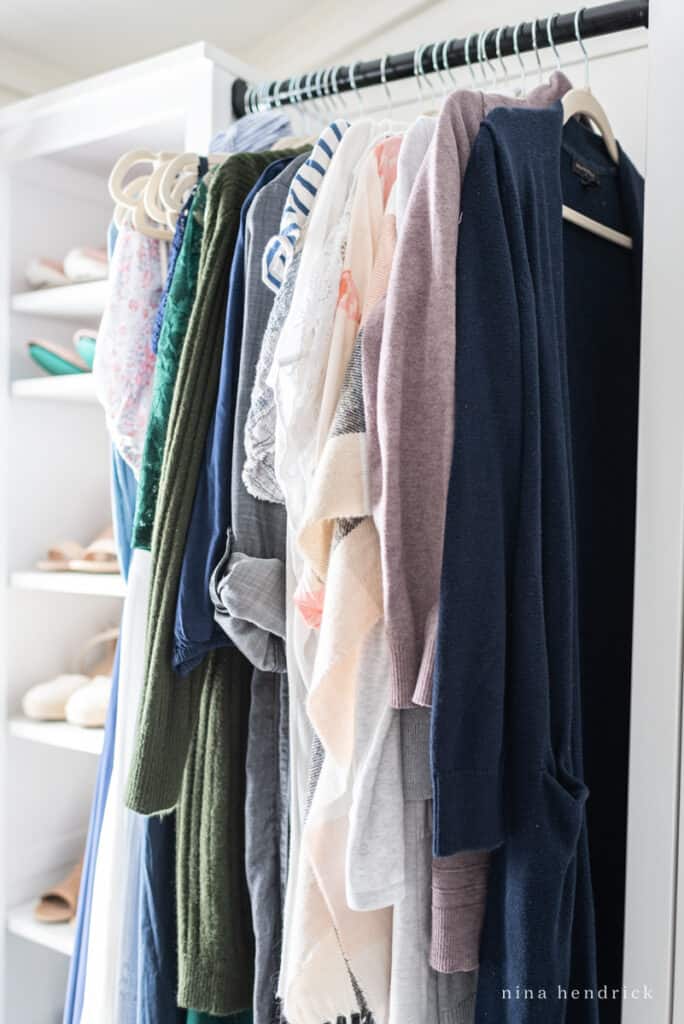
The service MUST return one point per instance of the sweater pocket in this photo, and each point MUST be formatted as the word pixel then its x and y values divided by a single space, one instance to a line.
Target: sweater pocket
pixel 563 798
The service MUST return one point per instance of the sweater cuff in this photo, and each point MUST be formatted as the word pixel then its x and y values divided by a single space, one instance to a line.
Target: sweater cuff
pixel 404 672
pixel 459 898
pixel 423 692
pixel 468 811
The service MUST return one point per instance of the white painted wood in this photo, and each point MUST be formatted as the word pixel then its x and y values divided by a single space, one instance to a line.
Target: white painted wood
pixel 21 922
pixel 90 584
pixel 57 734
pixel 654 844
pixel 73 301
pixel 71 387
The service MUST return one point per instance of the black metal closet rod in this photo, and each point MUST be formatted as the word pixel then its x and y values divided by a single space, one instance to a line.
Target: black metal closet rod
pixel 593 21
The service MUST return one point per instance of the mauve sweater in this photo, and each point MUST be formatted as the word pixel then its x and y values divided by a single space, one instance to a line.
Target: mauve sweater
pixel 415 413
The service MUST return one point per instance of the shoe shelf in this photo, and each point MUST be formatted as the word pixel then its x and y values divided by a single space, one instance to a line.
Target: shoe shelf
pixel 21 922
pixel 91 584
pixel 70 387
pixel 57 734
pixel 84 301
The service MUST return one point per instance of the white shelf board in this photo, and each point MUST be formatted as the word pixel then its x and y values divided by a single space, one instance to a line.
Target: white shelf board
pixel 72 301
pixel 69 387
pixel 57 734
pixel 95 584
pixel 21 922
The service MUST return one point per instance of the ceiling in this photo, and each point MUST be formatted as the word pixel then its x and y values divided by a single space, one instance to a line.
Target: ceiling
pixel 83 38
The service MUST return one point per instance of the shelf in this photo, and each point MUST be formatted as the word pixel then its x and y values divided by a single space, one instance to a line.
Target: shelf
pixel 72 301
pixel 71 387
pixel 60 937
pixel 58 734
pixel 94 584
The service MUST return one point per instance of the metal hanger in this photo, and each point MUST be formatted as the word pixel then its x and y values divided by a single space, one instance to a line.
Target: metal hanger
pixel 549 36
pixel 354 86
pixel 521 62
pixel 383 82
pixel 536 52
pixel 466 51
pixel 502 62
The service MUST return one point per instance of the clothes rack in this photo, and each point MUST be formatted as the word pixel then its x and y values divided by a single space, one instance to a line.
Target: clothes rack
pixel 492 44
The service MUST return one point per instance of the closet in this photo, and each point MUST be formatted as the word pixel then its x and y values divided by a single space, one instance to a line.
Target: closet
pixel 56 153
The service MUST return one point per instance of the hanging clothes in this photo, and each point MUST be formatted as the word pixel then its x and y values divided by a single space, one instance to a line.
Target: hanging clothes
pixel 123 368
pixel 248 591
pixel 508 763
pixel 123 504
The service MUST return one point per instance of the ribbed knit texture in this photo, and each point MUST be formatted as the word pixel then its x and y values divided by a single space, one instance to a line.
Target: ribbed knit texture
pixel 210 978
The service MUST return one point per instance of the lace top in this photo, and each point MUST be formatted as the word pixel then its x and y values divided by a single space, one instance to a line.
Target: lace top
pixel 180 298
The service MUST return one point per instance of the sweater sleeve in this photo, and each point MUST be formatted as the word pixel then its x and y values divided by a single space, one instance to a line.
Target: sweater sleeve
pixel 415 402
pixel 481 520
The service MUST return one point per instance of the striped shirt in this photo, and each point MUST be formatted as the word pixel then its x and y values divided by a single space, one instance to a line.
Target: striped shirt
pixel 281 248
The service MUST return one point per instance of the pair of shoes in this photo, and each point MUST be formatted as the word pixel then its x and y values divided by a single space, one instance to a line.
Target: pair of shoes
pixel 80 264
pixel 59 360
pixel 80 698
pixel 59 904
pixel 68 556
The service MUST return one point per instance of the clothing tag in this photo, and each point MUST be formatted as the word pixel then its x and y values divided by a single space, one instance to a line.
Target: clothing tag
pixel 588 177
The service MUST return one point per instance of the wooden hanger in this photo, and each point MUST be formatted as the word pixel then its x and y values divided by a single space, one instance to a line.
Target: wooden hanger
pixel 582 102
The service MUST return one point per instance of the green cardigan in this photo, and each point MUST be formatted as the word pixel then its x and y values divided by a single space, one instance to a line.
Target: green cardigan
pixel 190 745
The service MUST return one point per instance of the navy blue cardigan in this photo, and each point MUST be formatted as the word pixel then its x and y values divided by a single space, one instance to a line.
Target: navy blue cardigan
pixel 506 722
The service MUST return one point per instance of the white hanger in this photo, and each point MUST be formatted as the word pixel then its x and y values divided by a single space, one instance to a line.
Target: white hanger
pixel 583 101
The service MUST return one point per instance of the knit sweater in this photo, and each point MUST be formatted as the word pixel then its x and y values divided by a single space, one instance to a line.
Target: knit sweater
pixel 415 389
pixel 208 711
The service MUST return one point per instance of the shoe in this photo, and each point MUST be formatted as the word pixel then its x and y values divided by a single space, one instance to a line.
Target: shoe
pixel 87 707
pixel 59 904
pixel 85 264
pixel 48 702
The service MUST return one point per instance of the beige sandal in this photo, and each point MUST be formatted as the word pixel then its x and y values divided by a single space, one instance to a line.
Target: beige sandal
pixel 58 905
pixel 99 557
pixel 60 556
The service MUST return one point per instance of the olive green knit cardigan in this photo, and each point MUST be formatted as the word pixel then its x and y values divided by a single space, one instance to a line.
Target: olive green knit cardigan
pixel 191 740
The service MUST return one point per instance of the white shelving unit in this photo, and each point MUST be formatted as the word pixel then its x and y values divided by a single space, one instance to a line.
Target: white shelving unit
pixel 22 923
pixel 72 387
pixel 90 584
pixel 70 302
pixel 57 734
pixel 56 152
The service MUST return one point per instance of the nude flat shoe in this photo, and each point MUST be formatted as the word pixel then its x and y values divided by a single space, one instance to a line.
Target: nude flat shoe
pixel 58 905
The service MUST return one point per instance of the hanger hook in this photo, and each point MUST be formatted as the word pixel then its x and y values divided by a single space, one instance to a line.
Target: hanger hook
pixel 428 81
pixel 552 44
pixel 479 57
pixel 536 49
pixel 445 59
pixel 466 51
pixel 354 86
pixel 417 69
pixel 521 62
pixel 383 80
pixel 502 62
pixel 437 69
pixel 484 59
pixel 275 96
pixel 578 37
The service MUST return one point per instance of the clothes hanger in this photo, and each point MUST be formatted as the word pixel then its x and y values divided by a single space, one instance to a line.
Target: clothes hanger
pixel 502 62
pixel 521 62
pixel 583 102
pixel 466 50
